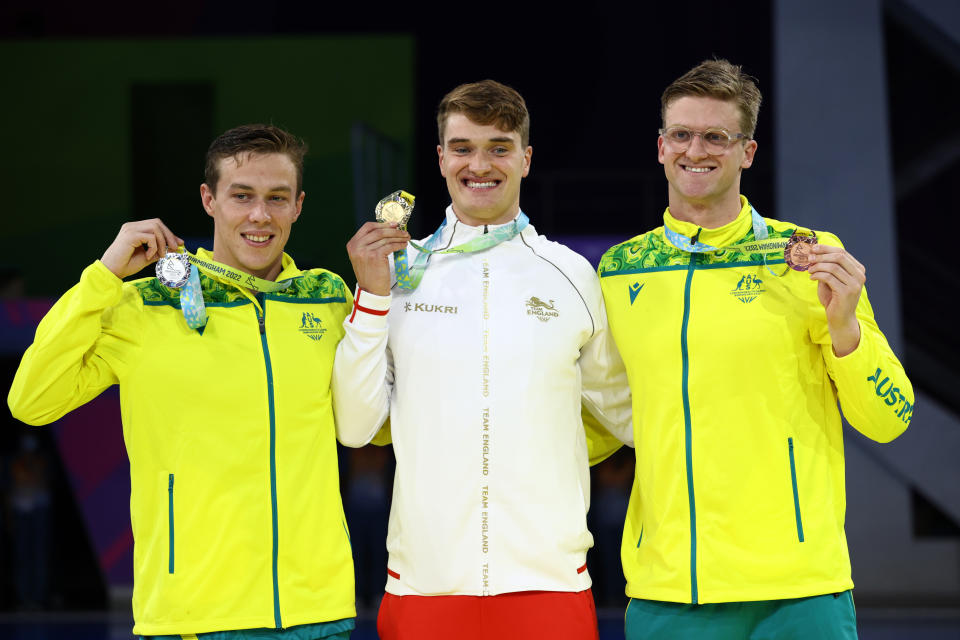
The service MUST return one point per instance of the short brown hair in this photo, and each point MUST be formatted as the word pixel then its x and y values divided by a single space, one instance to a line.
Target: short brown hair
pixel 487 102
pixel 254 139
pixel 721 80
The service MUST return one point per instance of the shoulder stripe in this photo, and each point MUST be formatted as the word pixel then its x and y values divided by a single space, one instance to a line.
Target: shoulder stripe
pixel 593 326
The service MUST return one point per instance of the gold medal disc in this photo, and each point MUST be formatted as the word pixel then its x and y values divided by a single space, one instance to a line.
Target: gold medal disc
pixel 395 209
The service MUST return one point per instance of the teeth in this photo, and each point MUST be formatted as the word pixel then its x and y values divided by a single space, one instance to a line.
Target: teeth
pixel 481 185
pixel 699 169
pixel 253 238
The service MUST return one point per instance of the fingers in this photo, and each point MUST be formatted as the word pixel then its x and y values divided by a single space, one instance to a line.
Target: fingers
pixel 138 244
pixel 158 238
pixel 836 267
pixel 376 239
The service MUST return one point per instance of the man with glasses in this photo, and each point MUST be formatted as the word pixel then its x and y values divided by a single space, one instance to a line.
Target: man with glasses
pixel 740 334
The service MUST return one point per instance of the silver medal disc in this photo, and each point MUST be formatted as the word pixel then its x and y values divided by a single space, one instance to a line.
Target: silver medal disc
pixel 173 270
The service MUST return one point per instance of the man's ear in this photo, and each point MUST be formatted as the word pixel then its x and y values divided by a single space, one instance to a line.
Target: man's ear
pixel 303 194
pixel 207 198
pixel 749 149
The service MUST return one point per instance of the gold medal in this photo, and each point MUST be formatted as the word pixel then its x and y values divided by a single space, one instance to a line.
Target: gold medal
pixel 395 209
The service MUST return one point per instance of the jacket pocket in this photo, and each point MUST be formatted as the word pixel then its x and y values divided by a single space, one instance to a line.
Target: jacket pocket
pixel 796 493
pixel 170 520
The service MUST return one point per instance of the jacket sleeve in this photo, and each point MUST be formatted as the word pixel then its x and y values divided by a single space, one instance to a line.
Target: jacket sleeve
pixel 605 389
pixel 875 394
pixel 79 349
pixel 363 372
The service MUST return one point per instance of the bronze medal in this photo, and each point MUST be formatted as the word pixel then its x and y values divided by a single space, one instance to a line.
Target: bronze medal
pixel 797 252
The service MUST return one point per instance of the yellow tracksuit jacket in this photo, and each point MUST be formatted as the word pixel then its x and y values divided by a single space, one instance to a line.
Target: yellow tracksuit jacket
pixel 739 487
pixel 235 502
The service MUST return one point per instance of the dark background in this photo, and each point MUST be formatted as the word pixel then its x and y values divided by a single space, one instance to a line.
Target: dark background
pixel 592 77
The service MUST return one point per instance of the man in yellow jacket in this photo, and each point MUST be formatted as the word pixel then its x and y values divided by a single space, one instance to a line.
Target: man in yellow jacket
pixel 224 363
pixel 740 334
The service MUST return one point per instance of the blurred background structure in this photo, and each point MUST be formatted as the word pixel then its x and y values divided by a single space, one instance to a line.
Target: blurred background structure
pixel 108 111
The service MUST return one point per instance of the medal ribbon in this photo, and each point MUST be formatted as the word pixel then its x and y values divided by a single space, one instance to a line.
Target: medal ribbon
pixel 408 277
pixel 235 276
pixel 191 295
pixel 760 243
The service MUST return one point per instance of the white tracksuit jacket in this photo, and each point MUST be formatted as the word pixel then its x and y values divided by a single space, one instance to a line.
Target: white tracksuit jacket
pixel 482 370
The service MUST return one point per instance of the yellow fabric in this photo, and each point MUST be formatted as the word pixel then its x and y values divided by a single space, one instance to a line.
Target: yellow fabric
pixel 195 406
pixel 760 373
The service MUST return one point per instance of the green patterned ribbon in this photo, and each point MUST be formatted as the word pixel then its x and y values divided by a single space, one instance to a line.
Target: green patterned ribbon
pixel 408 277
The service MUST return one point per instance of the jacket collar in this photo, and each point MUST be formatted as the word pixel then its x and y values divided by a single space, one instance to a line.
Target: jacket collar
pixel 455 231
pixel 288 268
pixel 728 234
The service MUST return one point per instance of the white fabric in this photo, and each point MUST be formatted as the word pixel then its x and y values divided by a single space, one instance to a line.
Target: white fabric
pixel 482 374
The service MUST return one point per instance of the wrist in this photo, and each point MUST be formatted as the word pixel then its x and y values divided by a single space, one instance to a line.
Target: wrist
pixel 370 305
pixel 845 338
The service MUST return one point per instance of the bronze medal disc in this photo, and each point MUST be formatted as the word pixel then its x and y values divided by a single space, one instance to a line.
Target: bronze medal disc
pixel 797 252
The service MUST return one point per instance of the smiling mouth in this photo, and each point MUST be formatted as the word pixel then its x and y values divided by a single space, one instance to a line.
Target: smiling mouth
pixel 478 184
pixel 257 238
pixel 698 169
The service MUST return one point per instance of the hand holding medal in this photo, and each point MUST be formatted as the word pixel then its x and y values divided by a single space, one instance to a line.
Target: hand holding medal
pixel 138 244
pixel 840 278
pixel 369 249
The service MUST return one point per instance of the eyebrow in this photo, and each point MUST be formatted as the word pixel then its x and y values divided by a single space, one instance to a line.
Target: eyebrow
pixel 497 139
pixel 245 187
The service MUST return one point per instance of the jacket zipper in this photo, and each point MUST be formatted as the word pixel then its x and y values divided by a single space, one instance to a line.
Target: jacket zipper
pixel 261 320
pixel 796 493
pixel 170 520
pixel 687 427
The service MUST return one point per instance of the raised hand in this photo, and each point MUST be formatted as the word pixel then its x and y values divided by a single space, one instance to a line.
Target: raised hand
pixel 840 279
pixel 137 245
pixel 369 250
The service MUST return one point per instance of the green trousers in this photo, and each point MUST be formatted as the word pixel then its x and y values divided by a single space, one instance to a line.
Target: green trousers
pixel 826 617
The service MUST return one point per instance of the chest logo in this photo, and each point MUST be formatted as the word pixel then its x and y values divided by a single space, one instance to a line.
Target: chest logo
pixel 541 310
pixel 634 290
pixel 748 288
pixel 428 308
pixel 311 326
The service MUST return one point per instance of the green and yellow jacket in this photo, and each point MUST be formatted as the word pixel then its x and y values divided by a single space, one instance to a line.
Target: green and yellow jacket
pixel 739 487
pixel 235 502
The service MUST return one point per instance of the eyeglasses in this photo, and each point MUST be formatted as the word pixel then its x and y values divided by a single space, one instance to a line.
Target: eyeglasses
pixel 715 141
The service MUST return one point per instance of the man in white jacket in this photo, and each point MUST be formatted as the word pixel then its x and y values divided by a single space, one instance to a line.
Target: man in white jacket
pixel 482 367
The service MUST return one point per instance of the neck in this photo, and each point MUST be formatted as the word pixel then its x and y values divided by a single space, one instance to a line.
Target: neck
pixel 709 215
pixel 270 273
pixel 501 218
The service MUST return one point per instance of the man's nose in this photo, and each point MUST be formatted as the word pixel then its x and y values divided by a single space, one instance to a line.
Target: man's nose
pixel 696 148
pixel 259 213
pixel 479 163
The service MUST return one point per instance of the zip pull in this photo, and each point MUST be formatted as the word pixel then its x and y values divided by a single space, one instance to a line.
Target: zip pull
pixel 262 315
pixel 486 229
pixel 696 237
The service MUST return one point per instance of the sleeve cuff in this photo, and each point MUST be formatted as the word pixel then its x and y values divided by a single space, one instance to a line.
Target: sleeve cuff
pixel 369 306
pixel 99 279
pixel 852 355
